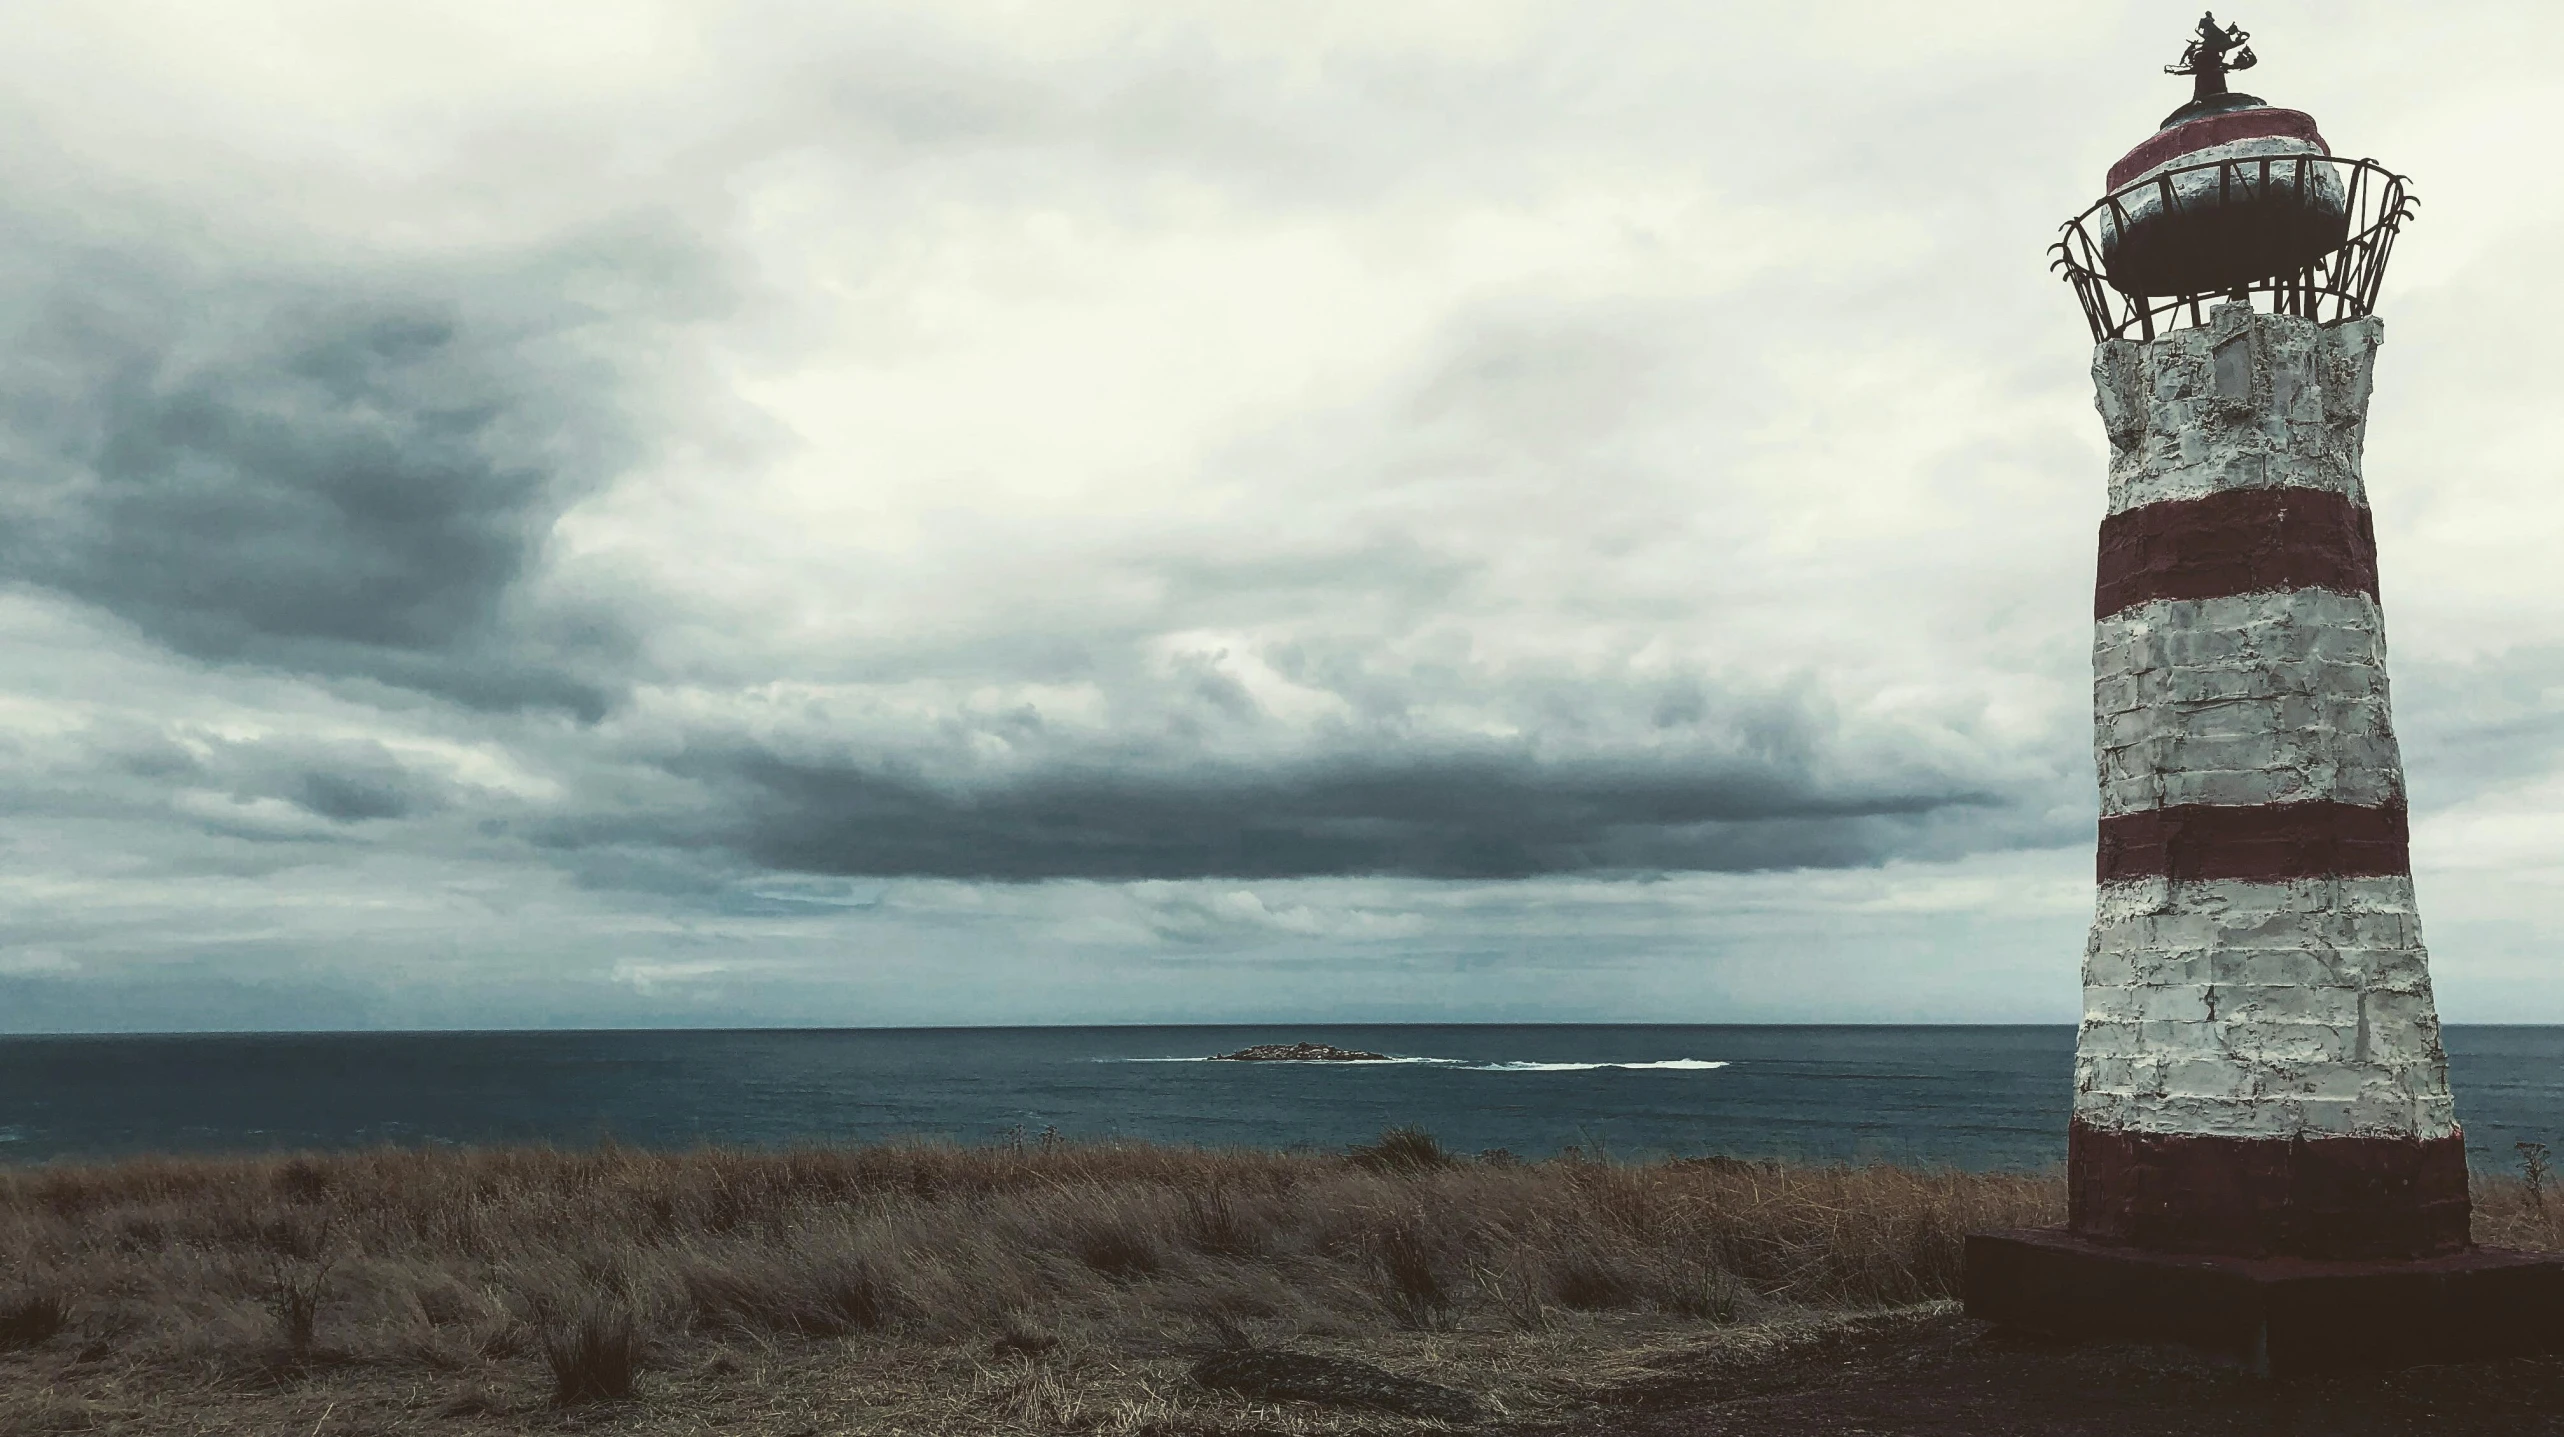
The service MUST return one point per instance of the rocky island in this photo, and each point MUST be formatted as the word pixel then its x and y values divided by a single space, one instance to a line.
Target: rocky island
pixel 1298 1053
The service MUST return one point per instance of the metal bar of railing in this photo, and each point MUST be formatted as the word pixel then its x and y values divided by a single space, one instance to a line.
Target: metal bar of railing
pixel 2341 283
pixel 2362 174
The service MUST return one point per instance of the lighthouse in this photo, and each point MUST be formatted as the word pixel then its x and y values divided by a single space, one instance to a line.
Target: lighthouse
pixel 2263 1154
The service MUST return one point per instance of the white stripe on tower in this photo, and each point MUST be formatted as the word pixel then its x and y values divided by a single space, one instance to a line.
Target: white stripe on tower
pixel 2258 698
pixel 2259 1068
pixel 2260 1010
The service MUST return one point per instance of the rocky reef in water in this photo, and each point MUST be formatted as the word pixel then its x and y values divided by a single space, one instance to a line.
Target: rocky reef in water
pixel 1298 1053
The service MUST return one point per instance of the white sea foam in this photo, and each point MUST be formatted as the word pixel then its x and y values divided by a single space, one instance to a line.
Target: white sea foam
pixel 1304 1062
pixel 1462 1064
pixel 1690 1064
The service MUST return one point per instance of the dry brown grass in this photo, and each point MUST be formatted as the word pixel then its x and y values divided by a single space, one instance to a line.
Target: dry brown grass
pixel 926 1289
pixel 2509 1214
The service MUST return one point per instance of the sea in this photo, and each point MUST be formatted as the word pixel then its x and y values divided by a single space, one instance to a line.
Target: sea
pixel 1967 1097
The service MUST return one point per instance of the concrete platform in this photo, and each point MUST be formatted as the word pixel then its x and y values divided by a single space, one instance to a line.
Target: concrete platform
pixel 2276 1314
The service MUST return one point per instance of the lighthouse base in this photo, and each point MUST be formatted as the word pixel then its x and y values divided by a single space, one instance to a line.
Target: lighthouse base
pixel 2276 1314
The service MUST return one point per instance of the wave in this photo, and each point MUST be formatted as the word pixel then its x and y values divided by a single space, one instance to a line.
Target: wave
pixel 1686 1064
pixel 1301 1062
pixel 1462 1065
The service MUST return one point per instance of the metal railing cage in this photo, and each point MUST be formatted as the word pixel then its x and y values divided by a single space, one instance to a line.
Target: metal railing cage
pixel 2340 283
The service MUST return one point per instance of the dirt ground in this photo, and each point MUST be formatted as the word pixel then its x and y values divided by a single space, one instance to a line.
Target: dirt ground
pixel 1921 1372
pixel 1941 1375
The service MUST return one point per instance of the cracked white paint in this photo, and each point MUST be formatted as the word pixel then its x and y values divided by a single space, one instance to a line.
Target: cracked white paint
pixel 2246 401
pixel 2260 698
pixel 2226 1007
pixel 2261 1010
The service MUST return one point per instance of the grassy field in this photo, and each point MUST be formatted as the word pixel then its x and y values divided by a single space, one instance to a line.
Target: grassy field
pixel 915 1289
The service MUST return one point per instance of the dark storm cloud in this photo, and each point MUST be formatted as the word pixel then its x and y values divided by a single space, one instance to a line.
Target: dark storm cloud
pixel 352 477
pixel 1471 816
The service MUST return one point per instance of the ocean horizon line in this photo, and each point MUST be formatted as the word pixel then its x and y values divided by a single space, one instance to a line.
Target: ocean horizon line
pixel 1135 1026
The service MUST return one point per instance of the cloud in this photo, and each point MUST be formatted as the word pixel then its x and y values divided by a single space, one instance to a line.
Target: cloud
pixel 1459 817
pixel 348 474
pixel 1226 756
pixel 347 782
pixel 1197 914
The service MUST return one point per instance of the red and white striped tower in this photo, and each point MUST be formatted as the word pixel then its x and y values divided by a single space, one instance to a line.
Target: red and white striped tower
pixel 2259 1070
pixel 2261 1101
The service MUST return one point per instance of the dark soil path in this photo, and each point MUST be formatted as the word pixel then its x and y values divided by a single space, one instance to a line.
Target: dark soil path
pixel 1949 1377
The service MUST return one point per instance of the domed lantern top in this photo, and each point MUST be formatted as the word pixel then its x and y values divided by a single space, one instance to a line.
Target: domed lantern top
pixel 2230 197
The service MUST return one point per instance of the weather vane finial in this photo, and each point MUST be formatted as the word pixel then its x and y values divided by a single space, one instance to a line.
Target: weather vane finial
pixel 2206 57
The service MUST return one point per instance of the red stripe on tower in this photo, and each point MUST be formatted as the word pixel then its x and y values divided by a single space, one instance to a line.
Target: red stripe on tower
pixel 2235 541
pixel 2262 843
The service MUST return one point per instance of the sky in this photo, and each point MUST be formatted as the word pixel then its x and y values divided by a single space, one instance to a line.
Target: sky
pixel 1063 512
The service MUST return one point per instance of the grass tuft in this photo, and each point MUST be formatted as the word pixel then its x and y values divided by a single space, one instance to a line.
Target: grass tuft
pixel 593 1353
pixel 1590 1280
pixel 302 1179
pixel 1214 1224
pixel 1411 1278
pixel 827 1290
pixel 1119 1248
pixel 32 1318
pixel 1403 1150
pixel 294 1294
